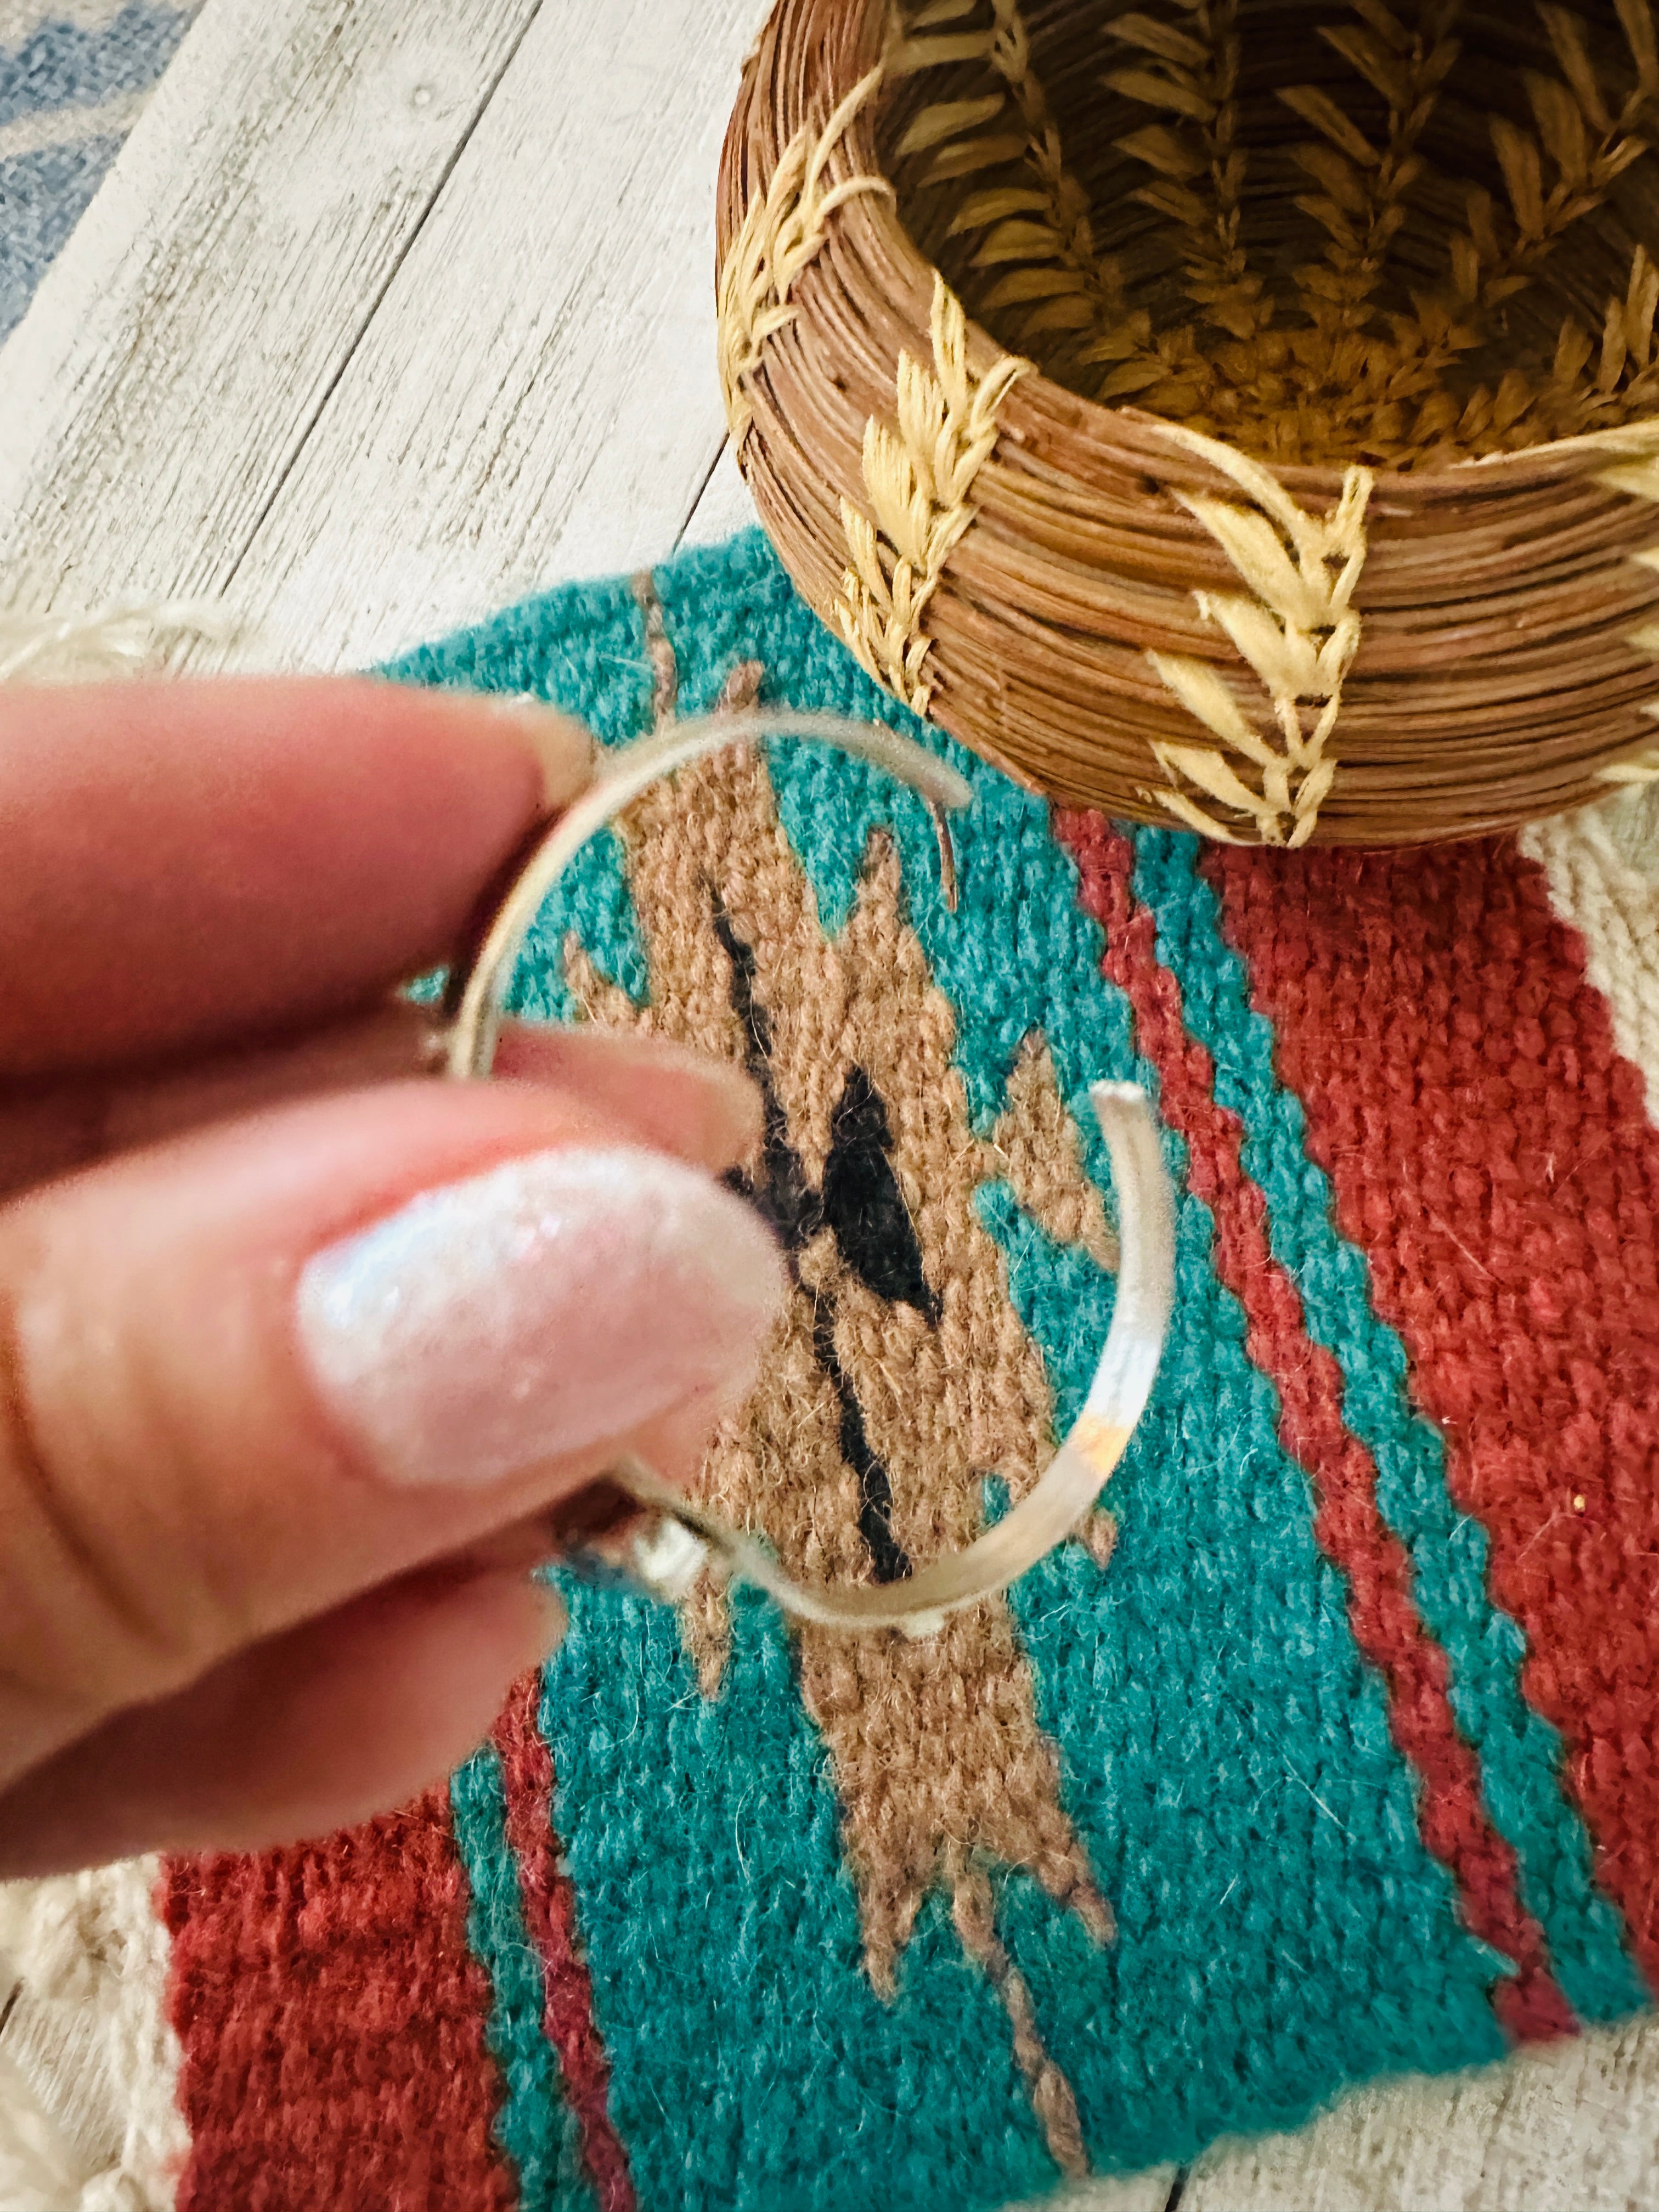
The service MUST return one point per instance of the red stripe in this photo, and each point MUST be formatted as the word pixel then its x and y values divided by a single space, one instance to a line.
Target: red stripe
pixel 549 1911
pixel 1491 1153
pixel 1347 1524
pixel 332 2025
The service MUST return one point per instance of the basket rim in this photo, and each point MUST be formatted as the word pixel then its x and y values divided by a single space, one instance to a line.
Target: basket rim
pixel 1038 402
pixel 1269 652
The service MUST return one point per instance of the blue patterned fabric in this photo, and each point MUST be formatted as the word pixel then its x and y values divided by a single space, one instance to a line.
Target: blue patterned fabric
pixel 74 76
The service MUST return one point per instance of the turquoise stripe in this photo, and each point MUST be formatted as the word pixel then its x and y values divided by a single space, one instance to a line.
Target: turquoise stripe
pixel 1520 1753
pixel 749 2056
pixel 752 2066
pixel 1344 1954
pixel 535 2127
pixel 1281 1928
pixel 1224 1750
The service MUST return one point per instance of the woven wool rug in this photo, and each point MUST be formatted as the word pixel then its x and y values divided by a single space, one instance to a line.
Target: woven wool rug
pixel 1326 1751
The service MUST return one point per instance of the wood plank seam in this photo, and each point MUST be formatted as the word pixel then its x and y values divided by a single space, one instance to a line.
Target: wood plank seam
pixel 373 306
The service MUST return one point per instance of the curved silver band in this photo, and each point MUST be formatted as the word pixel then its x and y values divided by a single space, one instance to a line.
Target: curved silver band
pixel 1140 1315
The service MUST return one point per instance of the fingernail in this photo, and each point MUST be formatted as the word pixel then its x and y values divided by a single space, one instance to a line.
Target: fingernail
pixel 679 1101
pixel 560 743
pixel 534 1311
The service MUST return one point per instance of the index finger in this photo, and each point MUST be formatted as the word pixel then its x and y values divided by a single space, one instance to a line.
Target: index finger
pixel 188 863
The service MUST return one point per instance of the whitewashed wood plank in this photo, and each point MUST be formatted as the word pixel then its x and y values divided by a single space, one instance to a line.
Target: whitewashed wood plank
pixel 1136 2192
pixel 40 2171
pixel 1574 2126
pixel 723 508
pixel 537 396
pixel 177 354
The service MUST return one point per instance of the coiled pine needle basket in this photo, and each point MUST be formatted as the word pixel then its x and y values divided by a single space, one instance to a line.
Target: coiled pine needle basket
pixel 1239 415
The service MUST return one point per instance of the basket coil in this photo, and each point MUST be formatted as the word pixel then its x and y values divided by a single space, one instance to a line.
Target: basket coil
pixel 1243 415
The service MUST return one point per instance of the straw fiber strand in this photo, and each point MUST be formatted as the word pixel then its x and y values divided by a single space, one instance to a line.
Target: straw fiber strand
pixel 1326 243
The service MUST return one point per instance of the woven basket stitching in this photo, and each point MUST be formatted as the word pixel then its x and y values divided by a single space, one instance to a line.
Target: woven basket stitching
pixel 1358 322
pixel 782 232
pixel 918 475
pixel 1641 480
pixel 1299 632
pixel 1034 232
pixel 1341 379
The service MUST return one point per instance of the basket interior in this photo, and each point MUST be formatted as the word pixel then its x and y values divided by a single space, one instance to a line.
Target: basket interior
pixel 1327 230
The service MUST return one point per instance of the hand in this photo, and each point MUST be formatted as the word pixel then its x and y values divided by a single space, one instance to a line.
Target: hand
pixel 298 1345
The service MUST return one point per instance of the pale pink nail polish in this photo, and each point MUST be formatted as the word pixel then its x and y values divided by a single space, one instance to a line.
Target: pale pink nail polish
pixel 559 742
pixel 534 1312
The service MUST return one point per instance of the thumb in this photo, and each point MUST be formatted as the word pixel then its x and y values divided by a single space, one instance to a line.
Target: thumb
pixel 279 1378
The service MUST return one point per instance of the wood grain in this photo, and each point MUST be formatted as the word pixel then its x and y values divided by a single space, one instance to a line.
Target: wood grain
pixel 1571 2129
pixel 1135 2192
pixel 179 355
pixel 537 396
